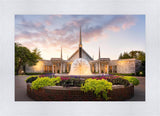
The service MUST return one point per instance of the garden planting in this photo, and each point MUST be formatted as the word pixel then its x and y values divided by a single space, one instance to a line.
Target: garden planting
pixel 53 88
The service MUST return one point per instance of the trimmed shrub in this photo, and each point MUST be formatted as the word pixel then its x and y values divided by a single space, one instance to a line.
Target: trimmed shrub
pixel 71 82
pixel 30 79
pixel 99 87
pixel 35 73
pixel 124 74
pixel 119 81
pixel 132 80
pixel 45 81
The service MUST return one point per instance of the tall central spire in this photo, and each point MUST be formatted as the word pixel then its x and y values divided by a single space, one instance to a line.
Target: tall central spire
pixel 80 39
pixel 99 53
pixel 80 44
pixel 61 53
pixel 61 70
pixel 99 61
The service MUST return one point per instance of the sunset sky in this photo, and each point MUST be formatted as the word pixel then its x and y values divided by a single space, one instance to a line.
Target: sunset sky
pixel 114 34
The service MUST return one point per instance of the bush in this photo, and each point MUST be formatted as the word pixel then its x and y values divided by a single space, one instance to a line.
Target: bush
pixel 124 74
pixel 97 86
pixel 71 82
pixel 132 80
pixel 35 73
pixel 45 81
pixel 119 81
pixel 30 79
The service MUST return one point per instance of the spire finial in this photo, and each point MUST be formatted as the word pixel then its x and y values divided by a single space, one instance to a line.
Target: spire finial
pixel 61 52
pixel 99 53
pixel 80 38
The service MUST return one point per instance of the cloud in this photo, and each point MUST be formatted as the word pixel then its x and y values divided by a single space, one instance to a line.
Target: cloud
pixel 121 22
pixel 45 34
pixel 114 28
pixel 127 25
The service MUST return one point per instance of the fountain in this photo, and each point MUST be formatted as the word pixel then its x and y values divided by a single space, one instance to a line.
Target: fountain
pixel 80 66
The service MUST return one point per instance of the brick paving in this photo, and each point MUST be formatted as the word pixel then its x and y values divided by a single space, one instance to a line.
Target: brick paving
pixel 21 87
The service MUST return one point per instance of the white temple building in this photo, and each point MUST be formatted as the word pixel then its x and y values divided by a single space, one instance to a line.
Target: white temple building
pixel 101 65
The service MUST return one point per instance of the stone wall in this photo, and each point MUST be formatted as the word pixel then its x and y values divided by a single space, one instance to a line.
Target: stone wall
pixel 59 93
pixel 39 67
pixel 138 66
pixel 125 65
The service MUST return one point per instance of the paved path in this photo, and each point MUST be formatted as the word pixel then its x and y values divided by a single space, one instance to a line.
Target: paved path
pixel 139 91
pixel 21 88
pixel 21 94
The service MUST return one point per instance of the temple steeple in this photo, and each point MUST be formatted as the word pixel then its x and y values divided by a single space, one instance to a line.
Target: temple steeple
pixel 61 53
pixel 99 63
pixel 61 70
pixel 99 53
pixel 80 44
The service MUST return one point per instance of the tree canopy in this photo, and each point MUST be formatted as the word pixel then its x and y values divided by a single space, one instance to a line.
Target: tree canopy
pixel 24 56
pixel 139 55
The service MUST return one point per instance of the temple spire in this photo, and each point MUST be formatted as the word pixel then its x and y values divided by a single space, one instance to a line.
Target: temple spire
pixel 61 70
pixel 99 66
pixel 80 38
pixel 80 44
pixel 99 53
pixel 61 53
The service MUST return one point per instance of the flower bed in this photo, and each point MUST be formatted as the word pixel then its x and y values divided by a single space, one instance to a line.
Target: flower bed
pixel 79 89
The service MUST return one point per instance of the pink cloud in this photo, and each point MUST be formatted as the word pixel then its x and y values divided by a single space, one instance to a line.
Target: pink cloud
pixel 121 22
pixel 127 25
pixel 48 23
pixel 114 28
pixel 59 32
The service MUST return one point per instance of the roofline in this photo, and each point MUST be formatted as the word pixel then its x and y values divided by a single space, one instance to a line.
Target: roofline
pixel 77 51
pixel 87 54
pixel 127 59
pixel 72 54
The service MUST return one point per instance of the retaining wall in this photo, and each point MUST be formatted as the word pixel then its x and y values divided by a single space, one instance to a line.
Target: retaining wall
pixel 59 93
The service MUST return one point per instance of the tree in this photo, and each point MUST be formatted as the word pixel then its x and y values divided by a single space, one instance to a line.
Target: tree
pixel 120 56
pixel 139 55
pixel 133 54
pixel 24 56
pixel 125 55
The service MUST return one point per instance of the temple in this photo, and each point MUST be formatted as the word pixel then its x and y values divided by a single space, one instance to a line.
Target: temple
pixel 101 65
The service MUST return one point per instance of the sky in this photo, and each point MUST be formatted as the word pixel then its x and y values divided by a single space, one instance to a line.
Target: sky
pixel 113 34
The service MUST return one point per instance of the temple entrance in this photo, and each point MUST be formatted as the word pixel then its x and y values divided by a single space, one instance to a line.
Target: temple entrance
pixel 106 69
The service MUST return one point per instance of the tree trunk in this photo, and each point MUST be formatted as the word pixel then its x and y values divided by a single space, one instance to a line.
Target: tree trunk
pixel 24 69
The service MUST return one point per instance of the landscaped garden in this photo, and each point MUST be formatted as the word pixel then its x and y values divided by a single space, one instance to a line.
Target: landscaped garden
pixel 73 88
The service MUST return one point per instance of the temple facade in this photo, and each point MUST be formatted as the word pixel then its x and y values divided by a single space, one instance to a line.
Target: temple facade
pixel 101 65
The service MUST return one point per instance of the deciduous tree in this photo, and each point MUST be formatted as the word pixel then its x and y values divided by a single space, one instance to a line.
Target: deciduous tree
pixel 24 56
